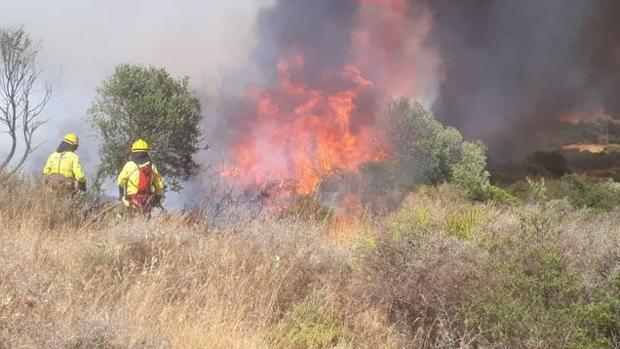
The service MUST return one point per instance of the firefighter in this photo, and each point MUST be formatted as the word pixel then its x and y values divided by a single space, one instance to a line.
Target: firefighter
pixel 139 184
pixel 62 170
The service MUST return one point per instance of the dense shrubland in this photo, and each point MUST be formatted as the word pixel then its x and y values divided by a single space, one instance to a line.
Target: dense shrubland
pixel 441 271
pixel 434 256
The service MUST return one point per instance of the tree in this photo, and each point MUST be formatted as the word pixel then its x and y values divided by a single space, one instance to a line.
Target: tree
pixel 431 153
pixel 21 103
pixel 137 102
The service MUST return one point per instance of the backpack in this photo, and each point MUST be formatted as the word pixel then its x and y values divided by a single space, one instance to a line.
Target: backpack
pixel 145 178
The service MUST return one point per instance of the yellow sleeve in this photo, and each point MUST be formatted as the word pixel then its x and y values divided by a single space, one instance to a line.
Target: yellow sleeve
pixel 123 177
pixel 78 174
pixel 48 165
pixel 158 182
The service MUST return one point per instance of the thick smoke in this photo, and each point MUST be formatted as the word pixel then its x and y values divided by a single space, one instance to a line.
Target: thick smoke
pixel 514 69
pixel 504 71
pixel 330 69
pixel 508 72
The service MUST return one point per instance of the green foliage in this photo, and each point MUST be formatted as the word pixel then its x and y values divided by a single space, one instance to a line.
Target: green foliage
pixel 602 317
pixel 310 326
pixel 462 224
pixel 137 102
pixel 533 298
pixel 579 191
pixel 470 173
pixel 431 153
pixel 603 196
pixel 434 210
pixel 424 148
pixel 501 196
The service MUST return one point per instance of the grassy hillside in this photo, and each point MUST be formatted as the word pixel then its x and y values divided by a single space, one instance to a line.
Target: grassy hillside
pixel 442 271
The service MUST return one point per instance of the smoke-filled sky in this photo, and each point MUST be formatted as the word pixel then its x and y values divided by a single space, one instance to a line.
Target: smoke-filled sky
pixel 504 71
pixel 513 68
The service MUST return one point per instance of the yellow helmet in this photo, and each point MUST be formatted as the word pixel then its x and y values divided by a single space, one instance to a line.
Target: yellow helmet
pixel 71 138
pixel 140 146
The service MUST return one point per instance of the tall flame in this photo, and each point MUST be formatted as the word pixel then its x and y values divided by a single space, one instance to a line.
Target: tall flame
pixel 321 117
pixel 303 134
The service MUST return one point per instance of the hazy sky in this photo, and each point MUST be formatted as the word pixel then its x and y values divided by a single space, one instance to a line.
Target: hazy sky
pixel 83 40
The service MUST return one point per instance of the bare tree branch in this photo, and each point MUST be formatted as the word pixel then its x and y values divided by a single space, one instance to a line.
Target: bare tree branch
pixel 21 104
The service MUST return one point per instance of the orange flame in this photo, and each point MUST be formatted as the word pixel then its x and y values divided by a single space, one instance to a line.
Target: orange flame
pixel 586 148
pixel 302 131
pixel 303 134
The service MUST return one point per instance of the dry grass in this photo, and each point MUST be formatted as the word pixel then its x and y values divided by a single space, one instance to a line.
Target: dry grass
pixel 404 281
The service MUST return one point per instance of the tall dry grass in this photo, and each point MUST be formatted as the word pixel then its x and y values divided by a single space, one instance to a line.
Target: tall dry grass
pixel 416 279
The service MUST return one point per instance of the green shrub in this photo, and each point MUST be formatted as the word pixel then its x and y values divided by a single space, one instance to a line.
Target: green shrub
pixel 470 172
pixel 579 191
pixel 501 196
pixel 602 317
pixel 461 224
pixel 310 326
pixel 430 153
pixel 527 299
pixel 439 210
pixel 602 196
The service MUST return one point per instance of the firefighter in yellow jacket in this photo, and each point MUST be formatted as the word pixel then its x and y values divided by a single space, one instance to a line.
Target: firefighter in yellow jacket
pixel 139 183
pixel 63 170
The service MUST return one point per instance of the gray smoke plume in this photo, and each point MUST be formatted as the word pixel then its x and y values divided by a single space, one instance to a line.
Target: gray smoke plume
pixel 507 72
pixel 513 69
pixel 504 71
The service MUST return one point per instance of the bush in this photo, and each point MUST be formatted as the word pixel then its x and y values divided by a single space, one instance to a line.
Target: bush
pixel 579 191
pixel 528 298
pixel 461 224
pixel 440 210
pixel 602 317
pixel 602 196
pixel 431 153
pixel 310 326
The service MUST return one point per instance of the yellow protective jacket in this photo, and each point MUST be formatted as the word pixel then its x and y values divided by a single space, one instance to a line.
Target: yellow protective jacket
pixel 130 176
pixel 67 164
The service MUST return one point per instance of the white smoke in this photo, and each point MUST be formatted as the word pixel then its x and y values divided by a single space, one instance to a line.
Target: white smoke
pixel 82 41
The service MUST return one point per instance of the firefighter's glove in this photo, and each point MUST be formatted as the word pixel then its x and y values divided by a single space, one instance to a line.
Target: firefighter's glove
pixel 157 201
pixel 82 186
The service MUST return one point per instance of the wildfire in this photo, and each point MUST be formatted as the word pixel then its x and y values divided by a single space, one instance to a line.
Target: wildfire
pixel 303 134
pixel 586 148
pixel 320 117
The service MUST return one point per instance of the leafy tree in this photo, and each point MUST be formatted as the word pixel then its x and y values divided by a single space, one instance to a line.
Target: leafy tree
pixel 425 149
pixel 137 102
pixel 431 153
pixel 470 172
